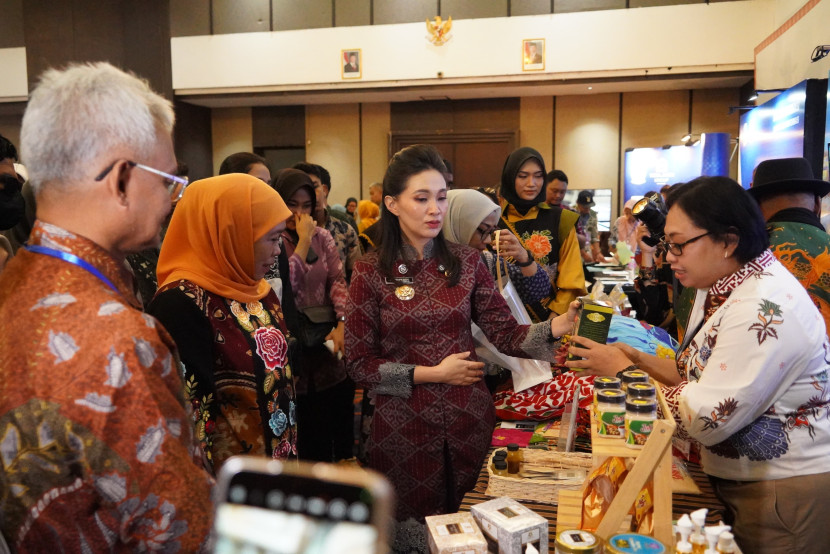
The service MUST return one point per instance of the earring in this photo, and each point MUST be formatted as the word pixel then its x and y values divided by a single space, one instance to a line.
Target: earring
pixel 725 254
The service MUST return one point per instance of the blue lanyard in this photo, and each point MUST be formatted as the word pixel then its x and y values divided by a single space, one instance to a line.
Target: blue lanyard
pixel 71 258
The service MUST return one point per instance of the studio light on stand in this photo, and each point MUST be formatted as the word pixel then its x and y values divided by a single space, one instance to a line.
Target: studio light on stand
pixel 652 212
pixel 690 139
pixel 759 91
pixel 820 52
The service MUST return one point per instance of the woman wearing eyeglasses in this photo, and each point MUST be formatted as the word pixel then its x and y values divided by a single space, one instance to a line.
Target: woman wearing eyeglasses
pixel 226 321
pixel 751 379
pixel 471 219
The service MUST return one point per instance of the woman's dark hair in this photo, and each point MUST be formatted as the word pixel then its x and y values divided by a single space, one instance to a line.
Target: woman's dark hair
pixel 720 206
pixel 350 199
pixel 407 163
pixel 512 165
pixel 288 181
pixel 240 162
pixel 7 149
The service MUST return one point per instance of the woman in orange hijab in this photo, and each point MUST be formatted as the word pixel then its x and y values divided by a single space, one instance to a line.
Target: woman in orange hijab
pixel 225 319
pixel 367 213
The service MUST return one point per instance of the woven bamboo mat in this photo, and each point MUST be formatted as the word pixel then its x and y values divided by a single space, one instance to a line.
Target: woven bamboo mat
pixel 681 503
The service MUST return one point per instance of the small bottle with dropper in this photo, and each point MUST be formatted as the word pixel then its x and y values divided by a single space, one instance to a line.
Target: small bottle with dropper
pixel 726 543
pixel 684 527
pixel 697 538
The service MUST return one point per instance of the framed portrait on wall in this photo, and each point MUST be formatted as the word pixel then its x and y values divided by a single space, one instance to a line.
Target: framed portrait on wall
pixel 352 63
pixel 533 54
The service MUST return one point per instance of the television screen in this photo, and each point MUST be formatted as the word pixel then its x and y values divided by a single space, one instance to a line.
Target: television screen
pixel 649 169
pixel 788 126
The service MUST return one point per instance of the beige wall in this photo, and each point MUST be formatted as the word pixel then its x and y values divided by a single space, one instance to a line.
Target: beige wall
pixel 232 132
pixel 587 139
pixel 536 125
pixel 332 135
pixel 375 127
pixel 785 60
pixel 585 136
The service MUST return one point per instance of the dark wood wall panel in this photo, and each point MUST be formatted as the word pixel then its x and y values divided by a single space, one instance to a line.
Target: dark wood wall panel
pixel 233 16
pixel 278 127
pixel 486 113
pixel 11 24
pixel 658 3
pixel 189 18
pixel 471 9
pixel 567 6
pixel 193 139
pixel 131 34
pixel 147 42
pixel 301 14
pixel 97 30
pixel 530 7
pixel 455 115
pixel 403 11
pixel 50 36
pixel 202 17
pixel 350 13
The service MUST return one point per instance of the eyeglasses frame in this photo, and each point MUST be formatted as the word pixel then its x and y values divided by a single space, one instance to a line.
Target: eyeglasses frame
pixel 670 246
pixel 171 188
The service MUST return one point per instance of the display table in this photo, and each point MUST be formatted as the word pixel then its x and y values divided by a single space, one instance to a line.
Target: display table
pixel 681 503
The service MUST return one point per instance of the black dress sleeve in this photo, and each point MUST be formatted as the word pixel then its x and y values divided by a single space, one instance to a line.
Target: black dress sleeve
pixel 190 330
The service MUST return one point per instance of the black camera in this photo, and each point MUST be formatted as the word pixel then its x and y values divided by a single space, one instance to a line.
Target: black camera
pixel 652 212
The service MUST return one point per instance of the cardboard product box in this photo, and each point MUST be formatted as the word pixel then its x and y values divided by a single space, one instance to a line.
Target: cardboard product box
pixel 593 322
pixel 455 534
pixel 512 526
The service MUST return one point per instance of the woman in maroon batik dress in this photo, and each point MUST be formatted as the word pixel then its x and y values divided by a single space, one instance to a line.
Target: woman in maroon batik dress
pixel 408 341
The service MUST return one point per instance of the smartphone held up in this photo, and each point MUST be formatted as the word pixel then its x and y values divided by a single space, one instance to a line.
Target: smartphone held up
pixel 278 507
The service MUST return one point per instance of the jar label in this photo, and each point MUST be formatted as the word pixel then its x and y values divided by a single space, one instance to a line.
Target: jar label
pixel 611 424
pixel 637 431
pixel 577 537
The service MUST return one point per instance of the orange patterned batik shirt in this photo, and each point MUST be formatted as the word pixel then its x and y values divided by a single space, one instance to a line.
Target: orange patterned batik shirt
pixel 96 445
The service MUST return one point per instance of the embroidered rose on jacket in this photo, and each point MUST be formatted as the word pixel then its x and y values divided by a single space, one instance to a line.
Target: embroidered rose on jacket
pixel 539 244
pixel 271 346
pixel 278 422
pixel 284 450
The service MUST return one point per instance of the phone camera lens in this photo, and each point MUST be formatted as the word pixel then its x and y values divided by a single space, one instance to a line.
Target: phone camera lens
pixel 358 512
pixel 296 503
pixel 316 506
pixel 274 500
pixel 237 494
pixel 338 509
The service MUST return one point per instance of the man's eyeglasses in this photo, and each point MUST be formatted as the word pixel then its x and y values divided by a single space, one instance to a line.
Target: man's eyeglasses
pixel 175 185
pixel 676 248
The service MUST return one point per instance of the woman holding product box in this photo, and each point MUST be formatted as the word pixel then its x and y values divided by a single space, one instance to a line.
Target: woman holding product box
pixel 408 341
pixel 751 378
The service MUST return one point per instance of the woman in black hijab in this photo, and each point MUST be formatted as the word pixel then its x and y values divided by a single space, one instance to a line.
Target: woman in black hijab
pixel 548 233
pixel 325 394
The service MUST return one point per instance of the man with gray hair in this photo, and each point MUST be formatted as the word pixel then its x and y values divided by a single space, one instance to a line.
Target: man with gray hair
pixel 96 441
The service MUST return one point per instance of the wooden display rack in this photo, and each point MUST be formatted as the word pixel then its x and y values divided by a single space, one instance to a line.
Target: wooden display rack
pixel 655 459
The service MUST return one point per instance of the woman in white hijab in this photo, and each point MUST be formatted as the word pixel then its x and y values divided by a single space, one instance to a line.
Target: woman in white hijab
pixel 471 219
